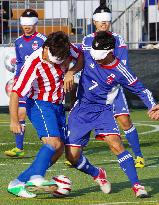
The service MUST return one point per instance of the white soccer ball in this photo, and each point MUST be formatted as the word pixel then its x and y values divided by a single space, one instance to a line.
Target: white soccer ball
pixel 10 61
pixel 64 186
pixel 9 86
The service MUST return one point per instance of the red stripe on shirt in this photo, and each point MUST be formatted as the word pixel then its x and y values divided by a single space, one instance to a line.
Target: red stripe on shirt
pixel 51 78
pixel 27 75
pixel 40 85
pixel 32 92
pixel 76 50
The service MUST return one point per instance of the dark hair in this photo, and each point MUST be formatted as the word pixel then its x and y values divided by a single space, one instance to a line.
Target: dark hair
pixel 29 13
pixel 103 41
pixel 102 8
pixel 58 44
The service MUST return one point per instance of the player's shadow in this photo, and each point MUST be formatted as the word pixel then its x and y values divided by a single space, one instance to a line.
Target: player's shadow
pixel 150 183
pixel 17 158
pixel 73 193
pixel 154 163
pixel 116 188
pixel 102 148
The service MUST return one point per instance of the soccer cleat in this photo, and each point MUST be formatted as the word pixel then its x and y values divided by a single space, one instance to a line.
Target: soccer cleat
pixel 37 183
pixel 101 179
pixel 139 162
pixel 67 163
pixel 15 152
pixel 19 190
pixel 140 191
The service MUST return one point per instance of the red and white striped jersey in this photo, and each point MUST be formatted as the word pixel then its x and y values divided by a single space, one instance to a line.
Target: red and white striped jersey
pixel 41 80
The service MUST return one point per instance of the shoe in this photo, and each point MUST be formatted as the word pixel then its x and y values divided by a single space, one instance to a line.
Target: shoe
pixel 140 191
pixel 37 183
pixel 139 162
pixel 101 179
pixel 15 152
pixel 67 163
pixel 19 190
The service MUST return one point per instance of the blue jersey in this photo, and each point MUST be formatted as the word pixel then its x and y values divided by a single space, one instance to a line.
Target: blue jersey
pixel 150 2
pixel 24 47
pixel 99 85
pixel 120 51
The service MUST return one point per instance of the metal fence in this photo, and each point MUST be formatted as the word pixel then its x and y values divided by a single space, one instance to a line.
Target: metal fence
pixel 75 18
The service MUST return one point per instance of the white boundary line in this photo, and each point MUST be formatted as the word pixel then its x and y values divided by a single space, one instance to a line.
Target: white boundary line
pixel 126 202
pixel 156 127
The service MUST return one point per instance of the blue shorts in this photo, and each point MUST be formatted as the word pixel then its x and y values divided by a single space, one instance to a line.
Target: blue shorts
pixel 120 105
pixel 47 118
pixel 86 117
pixel 22 101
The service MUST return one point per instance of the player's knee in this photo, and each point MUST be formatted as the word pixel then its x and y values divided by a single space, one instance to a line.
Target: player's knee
pixel 55 142
pixel 21 114
pixel 125 122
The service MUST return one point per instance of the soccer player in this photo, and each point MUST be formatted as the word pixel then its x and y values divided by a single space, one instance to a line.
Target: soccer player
pixel 102 22
pixel 25 45
pixel 42 80
pixel 98 87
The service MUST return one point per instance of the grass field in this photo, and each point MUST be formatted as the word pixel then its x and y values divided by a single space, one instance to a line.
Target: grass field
pixel 84 190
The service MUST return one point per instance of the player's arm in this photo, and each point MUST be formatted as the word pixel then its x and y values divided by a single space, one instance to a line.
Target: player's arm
pixel 15 126
pixel 69 76
pixel 20 89
pixel 128 80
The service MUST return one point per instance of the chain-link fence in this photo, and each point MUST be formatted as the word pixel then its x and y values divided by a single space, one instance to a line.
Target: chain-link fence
pixel 75 18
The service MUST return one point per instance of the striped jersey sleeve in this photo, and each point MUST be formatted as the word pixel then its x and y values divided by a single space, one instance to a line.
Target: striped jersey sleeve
pixel 74 51
pixel 26 78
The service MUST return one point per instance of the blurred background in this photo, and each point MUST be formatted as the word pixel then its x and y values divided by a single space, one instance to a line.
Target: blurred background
pixel 75 18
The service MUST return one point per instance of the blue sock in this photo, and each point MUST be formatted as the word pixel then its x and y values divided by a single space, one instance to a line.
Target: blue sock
pixel 19 138
pixel 133 139
pixel 84 166
pixel 127 164
pixel 40 164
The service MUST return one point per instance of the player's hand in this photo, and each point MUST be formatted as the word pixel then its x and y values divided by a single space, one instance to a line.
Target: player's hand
pixel 16 128
pixel 68 81
pixel 154 112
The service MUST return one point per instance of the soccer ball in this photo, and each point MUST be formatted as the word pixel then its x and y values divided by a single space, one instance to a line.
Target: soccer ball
pixel 9 86
pixel 10 61
pixel 64 186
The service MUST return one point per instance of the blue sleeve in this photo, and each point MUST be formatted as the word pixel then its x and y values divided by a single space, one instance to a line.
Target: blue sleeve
pixel 121 50
pixel 129 81
pixel 19 62
pixel 122 55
